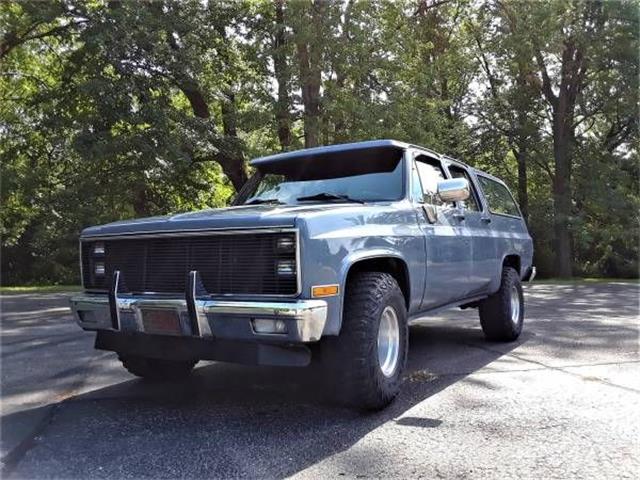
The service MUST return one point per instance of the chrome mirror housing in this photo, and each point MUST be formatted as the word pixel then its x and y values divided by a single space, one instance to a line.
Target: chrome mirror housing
pixel 453 190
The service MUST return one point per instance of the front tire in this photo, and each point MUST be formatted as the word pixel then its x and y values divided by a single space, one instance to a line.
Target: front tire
pixel 157 369
pixel 502 314
pixel 367 360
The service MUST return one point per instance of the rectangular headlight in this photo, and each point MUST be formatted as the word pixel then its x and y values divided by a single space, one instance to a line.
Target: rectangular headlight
pixel 99 269
pixel 285 244
pixel 98 248
pixel 286 267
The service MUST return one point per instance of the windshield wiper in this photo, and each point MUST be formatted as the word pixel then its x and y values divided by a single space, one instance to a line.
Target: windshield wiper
pixel 329 196
pixel 258 201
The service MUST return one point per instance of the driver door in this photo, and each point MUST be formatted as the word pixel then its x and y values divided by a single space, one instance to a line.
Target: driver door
pixel 448 246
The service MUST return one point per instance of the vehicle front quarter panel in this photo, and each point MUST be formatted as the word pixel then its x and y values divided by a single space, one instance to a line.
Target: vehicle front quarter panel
pixel 332 243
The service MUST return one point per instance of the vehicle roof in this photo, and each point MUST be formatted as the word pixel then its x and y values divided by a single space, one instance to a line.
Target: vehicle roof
pixel 344 147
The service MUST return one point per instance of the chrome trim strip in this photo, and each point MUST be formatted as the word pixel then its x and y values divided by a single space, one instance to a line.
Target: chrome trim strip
pixel 306 318
pixel 114 311
pixel 514 217
pixel 191 295
pixel 532 275
pixel 298 266
pixel 189 232
pixel 80 260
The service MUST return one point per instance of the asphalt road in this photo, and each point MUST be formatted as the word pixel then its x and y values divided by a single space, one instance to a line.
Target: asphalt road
pixel 562 402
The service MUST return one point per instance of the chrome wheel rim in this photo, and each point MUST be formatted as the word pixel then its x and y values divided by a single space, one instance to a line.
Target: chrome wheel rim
pixel 388 341
pixel 515 305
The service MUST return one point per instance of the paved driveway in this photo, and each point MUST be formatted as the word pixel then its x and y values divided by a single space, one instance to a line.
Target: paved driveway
pixel 562 402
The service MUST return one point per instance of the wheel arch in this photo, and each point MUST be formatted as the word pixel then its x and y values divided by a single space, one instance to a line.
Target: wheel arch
pixel 392 264
pixel 509 259
pixel 514 261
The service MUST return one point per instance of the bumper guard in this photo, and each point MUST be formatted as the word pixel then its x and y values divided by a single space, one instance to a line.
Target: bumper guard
pixel 198 316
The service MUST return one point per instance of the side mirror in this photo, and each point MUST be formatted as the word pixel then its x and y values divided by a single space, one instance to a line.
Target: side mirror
pixel 453 190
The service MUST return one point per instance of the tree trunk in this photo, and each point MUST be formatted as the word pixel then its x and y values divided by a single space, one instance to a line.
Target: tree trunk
pixel 310 86
pixel 196 100
pixel 522 142
pixel 562 152
pixel 309 49
pixel 283 77
pixel 232 158
pixel 140 206
pixel 572 74
pixel 340 133
pixel 229 115
pixel 523 194
pixel 233 169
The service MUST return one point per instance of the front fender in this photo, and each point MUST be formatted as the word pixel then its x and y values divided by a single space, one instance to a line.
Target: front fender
pixel 332 242
pixel 380 253
pixel 334 269
pixel 356 257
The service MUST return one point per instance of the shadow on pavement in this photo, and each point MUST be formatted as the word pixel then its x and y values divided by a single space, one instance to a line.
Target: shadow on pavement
pixel 230 421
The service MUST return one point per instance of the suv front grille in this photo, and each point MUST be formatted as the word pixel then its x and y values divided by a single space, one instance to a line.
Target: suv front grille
pixel 230 263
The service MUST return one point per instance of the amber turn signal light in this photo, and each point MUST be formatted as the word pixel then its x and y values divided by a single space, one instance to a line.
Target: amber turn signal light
pixel 324 291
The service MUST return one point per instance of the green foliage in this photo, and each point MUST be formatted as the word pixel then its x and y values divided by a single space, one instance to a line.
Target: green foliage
pixel 39 289
pixel 112 110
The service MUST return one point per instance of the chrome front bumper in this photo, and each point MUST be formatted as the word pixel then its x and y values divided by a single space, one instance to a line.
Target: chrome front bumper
pixel 204 318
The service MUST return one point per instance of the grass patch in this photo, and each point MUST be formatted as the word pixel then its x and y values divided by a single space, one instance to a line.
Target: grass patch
pixel 40 289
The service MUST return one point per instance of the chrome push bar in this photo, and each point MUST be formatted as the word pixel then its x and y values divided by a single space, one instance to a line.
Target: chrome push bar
pixel 199 313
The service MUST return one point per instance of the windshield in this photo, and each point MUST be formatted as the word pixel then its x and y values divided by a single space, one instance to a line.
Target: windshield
pixel 329 180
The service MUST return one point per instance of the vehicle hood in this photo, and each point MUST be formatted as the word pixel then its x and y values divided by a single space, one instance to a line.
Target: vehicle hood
pixel 238 217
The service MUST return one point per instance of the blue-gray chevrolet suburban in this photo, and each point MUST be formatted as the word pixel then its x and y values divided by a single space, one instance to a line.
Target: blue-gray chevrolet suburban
pixel 326 254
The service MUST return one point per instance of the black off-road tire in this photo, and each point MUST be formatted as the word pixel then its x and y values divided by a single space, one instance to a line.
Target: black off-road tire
pixel 157 369
pixel 351 359
pixel 496 311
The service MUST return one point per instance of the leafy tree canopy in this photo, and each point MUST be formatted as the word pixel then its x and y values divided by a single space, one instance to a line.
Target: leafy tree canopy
pixel 112 110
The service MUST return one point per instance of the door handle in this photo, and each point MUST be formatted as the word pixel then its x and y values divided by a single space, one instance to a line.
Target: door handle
pixel 485 219
pixel 459 216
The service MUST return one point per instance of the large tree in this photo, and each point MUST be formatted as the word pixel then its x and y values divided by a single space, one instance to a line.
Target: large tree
pixel 556 82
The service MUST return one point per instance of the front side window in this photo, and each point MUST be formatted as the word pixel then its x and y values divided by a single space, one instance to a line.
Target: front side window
pixel 498 196
pixel 472 202
pixel 430 173
pixel 359 178
pixel 416 187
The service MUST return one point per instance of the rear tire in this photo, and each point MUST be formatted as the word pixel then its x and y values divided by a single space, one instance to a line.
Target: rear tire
pixel 365 363
pixel 157 369
pixel 502 314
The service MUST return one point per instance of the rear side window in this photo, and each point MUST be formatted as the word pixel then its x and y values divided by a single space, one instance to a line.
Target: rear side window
pixel 499 198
